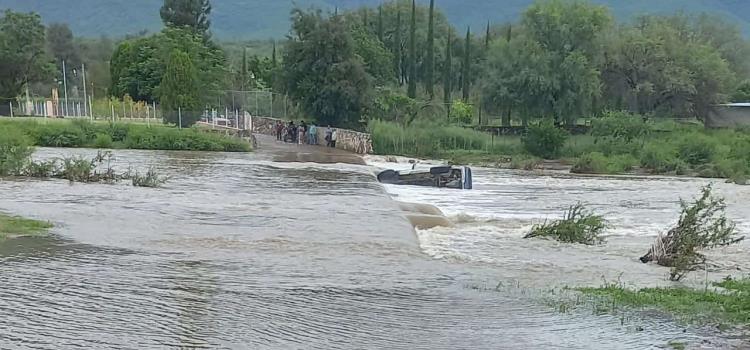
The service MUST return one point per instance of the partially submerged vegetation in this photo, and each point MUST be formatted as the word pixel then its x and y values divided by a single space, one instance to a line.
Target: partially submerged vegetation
pixel 15 160
pixel 12 226
pixel 702 225
pixel 725 302
pixel 577 226
pixel 85 134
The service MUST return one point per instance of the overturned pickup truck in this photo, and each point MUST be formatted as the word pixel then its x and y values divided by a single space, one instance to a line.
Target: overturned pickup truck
pixel 457 177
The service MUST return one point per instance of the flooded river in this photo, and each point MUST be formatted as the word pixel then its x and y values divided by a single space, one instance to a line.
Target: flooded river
pixel 251 251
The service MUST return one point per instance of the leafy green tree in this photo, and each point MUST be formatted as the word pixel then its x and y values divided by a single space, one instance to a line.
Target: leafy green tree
pixel 518 78
pixel 413 51
pixel 193 14
pixel 62 47
pixel 398 51
pixel 322 71
pixel 23 58
pixel 569 33
pixel 429 65
pixel 180 92
pixel 138 65
pixel 656 67
pixel 373 52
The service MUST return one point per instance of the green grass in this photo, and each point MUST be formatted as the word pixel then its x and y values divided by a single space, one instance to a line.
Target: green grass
pixel 727 304
pixel 84 134
pixel 16 226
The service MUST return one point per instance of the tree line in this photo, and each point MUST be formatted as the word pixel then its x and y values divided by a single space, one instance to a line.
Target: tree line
pixel 402 61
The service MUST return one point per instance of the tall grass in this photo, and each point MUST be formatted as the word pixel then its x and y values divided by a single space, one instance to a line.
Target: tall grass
pixel 429 140
pixel 80 133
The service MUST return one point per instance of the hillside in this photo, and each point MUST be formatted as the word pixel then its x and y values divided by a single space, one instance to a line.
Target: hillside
pixel 258 19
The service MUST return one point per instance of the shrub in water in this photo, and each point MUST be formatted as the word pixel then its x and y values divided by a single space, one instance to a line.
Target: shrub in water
pixel 15 152
pixel 702 225
pixel 544 140
pixel 577 226
pixel 150 179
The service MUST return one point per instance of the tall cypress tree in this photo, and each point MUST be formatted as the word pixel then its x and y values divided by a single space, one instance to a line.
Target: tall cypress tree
pixel 487 38
pixel 412 92
pixel 429 66
pixel 187 13
pixel 243 73
pixel 180 91
pixel 466 69
pixel 380 23
pixel 448 74
pixel 398 50
pixel 273 55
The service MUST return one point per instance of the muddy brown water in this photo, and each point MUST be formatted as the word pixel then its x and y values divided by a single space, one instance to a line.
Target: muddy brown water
pixel 274 251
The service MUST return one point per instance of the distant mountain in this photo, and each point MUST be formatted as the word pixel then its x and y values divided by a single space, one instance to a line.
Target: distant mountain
pixel 261 19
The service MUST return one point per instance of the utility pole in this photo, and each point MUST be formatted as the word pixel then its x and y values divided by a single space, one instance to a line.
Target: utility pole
pixel 65 86
pixel 85 96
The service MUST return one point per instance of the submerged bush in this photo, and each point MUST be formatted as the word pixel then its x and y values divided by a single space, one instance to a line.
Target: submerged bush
pixel 544 140
pixel 15 152
pixel 576 226
pixel 702 225
pixel 150 179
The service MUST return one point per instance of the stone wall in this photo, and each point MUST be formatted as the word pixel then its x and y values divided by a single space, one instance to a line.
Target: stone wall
pixel 348 140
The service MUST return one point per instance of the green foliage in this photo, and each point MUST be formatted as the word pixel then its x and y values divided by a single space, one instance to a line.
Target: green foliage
pixel 576 226
pixel 150 179
pixel 413 51
pixel 424 139
pixel 103 141
pixel 525 162
pixel 697 149
pixel 661 158
pixel 598 163
pixel 62 47
pixel 23 57
pixel 702 225
pixel 138 65
pixel 544 140
pixel 429 64
pixel 86 134
pixel 462 112
pixel 704 305
pixel 180 91
pixel 18 226
pixel 466 66
pixel 376 57
pixel 323 72
pixel 193 14
pixel 621 126
pixel 15 150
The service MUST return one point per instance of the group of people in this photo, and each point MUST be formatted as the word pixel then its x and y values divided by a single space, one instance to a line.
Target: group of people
pixel 303 133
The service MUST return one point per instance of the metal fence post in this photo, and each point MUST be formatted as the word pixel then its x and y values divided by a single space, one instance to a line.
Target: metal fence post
pixel 11 109
pixel 179 117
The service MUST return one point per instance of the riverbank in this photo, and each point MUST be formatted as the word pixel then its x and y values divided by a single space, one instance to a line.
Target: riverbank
pixel 623 145
pixel 722 304
pixel 14 226
pixel 85 134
